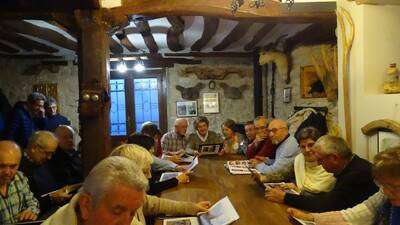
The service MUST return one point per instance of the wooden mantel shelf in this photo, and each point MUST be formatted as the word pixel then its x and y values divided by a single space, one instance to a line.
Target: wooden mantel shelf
pixel 378 2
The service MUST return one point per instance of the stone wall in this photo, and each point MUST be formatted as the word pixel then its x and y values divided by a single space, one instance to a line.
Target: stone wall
pixel 240 110
pixel 17 86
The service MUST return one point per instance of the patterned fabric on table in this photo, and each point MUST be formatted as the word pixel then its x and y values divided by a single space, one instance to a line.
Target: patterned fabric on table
pixel 19 198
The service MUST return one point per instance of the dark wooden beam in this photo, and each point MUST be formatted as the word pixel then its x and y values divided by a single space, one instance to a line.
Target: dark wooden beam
pixel 210 28
pixel 115 47
pixel 48 6
pixel 174 32
pixel 126 42
pixel 259 36
pixel 8 48
pixel 257 78
pixel 36 56
pixel 25 43
pixel 144 29
pixel 212 54
pixel 238 32
pixel 52 36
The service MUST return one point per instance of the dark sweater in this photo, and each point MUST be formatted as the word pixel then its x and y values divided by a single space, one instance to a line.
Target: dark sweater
pixel 54 121
pixel 66 166
pixel 157 187
pixel 353 185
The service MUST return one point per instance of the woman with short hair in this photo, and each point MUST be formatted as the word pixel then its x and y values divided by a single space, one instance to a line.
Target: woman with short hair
pixel 202 135
pixel 232 139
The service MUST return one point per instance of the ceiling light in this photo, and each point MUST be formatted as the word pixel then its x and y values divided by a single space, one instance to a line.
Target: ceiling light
pixel 121 67
pixel 139 67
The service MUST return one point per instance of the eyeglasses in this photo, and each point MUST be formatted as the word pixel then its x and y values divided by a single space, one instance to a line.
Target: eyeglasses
pixel 274 130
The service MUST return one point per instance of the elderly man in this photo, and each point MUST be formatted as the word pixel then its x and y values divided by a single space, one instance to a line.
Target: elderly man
pixel 17 202
pixel 54 119
pixel 354 182
pixel 111 194
pixel 262 145
pixel 281 167
pixel 175 141
pixel 26 118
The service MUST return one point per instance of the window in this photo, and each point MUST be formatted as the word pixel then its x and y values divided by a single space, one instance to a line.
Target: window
pixel 118 107
pixel 146 101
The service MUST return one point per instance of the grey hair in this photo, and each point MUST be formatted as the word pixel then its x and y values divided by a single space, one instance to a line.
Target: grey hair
pixel 110 172
pixel 179 120
pixel 50 101
pixel 308 132
pixel 42 139
pixel 329 144
pixel 36 96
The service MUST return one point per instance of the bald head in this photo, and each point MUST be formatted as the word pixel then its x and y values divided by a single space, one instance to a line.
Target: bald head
pixel 181 125
pixel 10 156
pixel 65 135
pixel 278 131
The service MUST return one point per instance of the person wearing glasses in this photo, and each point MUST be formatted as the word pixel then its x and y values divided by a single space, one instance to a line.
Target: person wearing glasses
pixel 381 208
pixel 261 146
pixel 279 167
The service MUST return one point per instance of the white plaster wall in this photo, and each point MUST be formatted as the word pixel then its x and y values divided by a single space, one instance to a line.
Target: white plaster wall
pixel 240 110
pixel 17 87
pixel 376 45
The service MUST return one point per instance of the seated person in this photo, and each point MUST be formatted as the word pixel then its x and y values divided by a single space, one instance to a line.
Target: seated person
pixel 144 160
pixel 26 118
pixel 114 192
pixel 262 146
pixel 175 141
pixel 66 162
pixel 34 164
pixel 17 202
pixel 54 119
pixel 279 168
pixel 232 139
pixel 202 135
pixel 150 129
pixel 250 131
pixel 381 208
pixel 354 182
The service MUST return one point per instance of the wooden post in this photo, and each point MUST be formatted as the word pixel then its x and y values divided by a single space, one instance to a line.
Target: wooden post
pixel 257 77
pixel 94 103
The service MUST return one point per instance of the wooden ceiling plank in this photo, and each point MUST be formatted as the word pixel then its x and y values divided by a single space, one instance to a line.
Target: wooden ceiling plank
pixel 25 43
pixel 52 36
pixel 211 54
pixel 264 31
pixel 236 34
pixel 174 32
pixel 115 47
pixel 8 49
pixel 36 56
pixel 126 42
pixel 145 31
pixel 210 28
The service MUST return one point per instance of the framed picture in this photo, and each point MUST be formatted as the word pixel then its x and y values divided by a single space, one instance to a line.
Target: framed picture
pixel 186 108
pixel 210 102
pixel 310 84
pixel 210 149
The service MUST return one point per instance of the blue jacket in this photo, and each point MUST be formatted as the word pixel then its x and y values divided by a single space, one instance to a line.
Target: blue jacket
pixel 54 121
pixel 21 125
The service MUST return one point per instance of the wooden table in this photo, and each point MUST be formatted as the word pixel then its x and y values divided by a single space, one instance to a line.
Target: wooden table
pixel 211 181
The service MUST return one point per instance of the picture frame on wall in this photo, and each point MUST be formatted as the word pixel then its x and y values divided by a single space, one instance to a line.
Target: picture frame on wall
pixel 210 102
pixel 310 84
pixel 186 108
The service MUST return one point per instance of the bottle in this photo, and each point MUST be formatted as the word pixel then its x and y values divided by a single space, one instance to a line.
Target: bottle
pixel 391 83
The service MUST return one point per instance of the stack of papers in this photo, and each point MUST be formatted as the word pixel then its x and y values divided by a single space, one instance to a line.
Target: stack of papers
pixel 239 167
pixel 170 175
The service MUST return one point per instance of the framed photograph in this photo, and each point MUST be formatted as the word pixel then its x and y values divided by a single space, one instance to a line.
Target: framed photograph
pixel 211 102
pixel 186 108
pixel 310 84
pixel 210 149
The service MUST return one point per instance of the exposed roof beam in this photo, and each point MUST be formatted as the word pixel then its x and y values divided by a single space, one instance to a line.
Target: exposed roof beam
pixel 176 30
pixel 259 36
pixel 115 47
pixel 210 28
pixel 37 56
pixel 126 42
pixel 211 54
pixel 144 29
pixel 52 36
pixel 7 48
pixel 236 34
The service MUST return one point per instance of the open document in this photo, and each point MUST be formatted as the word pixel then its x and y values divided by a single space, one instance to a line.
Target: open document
pixel 221 213
pixel 170 175
pixel 281 185
pixel 239 167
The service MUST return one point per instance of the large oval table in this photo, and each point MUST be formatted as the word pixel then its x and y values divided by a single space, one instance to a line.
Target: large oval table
pixel 211 181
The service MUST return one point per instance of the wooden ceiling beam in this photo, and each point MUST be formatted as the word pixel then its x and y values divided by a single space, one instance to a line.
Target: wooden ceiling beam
pixel 211 54
pixel 174 32
pixel 145 31
pixel 210 28
pixel 36 56
pixel 236 34
pixel 259 36
pixel 25 43
pixel 8 49
pixel 52 36
pixel 115 47
pixel 126 42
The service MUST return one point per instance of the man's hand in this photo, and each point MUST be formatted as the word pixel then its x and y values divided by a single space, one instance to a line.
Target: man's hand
pixel 258 177
pixel 26 215
pixel 290 186
pixel 300 215
pixel 222 152
pixel 275 195
pixel 61 195
pixel 175 159
pixel 183 178
pixel 203 206
pixel 181 168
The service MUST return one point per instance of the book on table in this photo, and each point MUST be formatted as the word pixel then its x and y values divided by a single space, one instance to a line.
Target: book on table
pixel 221 213
pixel 239 167
pixel 210 149
pixel 281 185
pixel 170 175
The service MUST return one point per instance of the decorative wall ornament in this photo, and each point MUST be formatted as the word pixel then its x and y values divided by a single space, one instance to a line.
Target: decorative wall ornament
pixel 212 85
pixel 210 102
pixel 279 58
pixel 186 108
pixel 233 92
pixel 190 93
pixel 207 73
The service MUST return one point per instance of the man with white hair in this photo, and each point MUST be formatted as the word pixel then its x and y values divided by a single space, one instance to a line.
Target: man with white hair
pixel 354 182
pixel 111 194
pixel 175 141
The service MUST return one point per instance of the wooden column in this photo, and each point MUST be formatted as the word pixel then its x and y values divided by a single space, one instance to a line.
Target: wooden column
pixel 94 112
pixel 257 77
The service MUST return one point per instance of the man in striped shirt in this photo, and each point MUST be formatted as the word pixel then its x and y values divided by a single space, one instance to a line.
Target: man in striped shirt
pixel 17 202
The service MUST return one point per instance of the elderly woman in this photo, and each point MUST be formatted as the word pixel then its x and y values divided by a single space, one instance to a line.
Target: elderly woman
pixel 383 208
pixel 202 135
pixel 232 139
pixel 144 159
